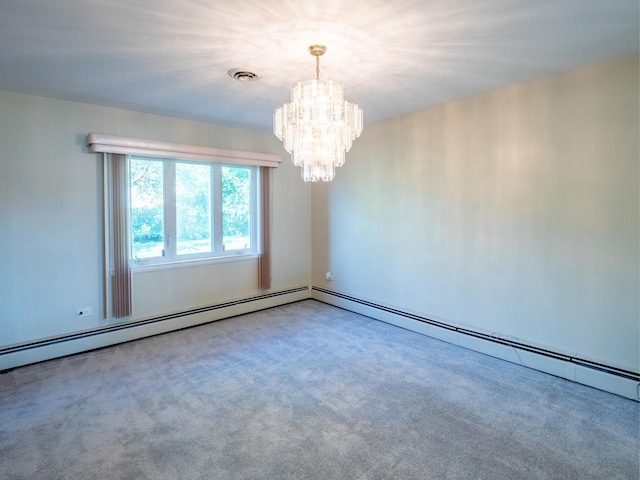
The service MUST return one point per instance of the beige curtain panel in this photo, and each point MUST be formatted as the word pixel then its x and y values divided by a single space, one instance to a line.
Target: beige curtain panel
pixel 121 280
pixel 264 261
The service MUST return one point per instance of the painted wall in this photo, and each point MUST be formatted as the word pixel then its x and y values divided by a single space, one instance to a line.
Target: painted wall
pixel 514 212
pixel 51 219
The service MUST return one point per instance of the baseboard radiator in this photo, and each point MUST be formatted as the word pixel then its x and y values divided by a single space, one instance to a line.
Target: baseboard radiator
pixel 594 374
pixel 46 349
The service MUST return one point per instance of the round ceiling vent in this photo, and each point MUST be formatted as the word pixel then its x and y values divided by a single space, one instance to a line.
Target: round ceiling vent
pixel 244 75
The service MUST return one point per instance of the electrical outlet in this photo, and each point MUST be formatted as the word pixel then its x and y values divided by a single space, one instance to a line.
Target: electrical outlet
pixel 83 312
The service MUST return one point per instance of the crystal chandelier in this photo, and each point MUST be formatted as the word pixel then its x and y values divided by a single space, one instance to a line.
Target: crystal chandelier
pixel 318 127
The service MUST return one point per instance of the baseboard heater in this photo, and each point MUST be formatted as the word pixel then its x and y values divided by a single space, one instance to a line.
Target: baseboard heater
pixel 150 321
pixel 619 372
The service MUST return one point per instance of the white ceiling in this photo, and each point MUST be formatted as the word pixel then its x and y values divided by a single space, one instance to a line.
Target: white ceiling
pixel 392 56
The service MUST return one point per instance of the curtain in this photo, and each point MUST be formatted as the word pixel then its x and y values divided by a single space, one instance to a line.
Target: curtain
pixel 119 196
pixel 264 261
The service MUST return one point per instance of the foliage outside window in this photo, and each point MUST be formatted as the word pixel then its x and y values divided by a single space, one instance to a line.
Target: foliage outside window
pixel 183 210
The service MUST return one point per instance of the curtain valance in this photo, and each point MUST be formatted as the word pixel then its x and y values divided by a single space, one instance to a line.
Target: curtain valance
pixel 98 142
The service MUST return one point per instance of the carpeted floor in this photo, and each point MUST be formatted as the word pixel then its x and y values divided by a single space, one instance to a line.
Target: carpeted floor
pixel 306 391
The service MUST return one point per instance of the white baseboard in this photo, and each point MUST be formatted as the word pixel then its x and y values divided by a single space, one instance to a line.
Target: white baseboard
pixel 19 355
pixel 584 374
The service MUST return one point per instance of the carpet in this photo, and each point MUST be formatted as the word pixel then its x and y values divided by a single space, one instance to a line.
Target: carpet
pixel 306 391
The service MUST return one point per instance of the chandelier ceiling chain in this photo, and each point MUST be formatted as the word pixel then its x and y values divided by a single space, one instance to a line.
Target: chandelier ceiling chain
pixel 318 127
pixel 316 51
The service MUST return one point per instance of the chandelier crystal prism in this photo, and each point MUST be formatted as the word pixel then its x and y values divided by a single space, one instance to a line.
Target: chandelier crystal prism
pixel 318 127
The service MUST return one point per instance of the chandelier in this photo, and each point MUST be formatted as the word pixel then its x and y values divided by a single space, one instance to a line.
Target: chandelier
pixel 318 127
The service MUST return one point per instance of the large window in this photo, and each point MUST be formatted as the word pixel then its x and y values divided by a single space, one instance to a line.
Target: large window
pixel 159 211
pixel 182 210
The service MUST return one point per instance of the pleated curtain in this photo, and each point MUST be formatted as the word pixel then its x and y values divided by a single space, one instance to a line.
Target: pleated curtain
pixel 264 261
pixel 121 300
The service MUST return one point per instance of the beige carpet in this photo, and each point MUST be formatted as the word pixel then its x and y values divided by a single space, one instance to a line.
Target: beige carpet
pixel 306 391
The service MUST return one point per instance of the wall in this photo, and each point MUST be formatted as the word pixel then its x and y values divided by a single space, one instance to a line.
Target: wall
pixel 515 212
pixel 51 219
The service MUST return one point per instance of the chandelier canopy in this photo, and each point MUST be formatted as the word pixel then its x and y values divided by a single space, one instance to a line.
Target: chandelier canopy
pixel 318 127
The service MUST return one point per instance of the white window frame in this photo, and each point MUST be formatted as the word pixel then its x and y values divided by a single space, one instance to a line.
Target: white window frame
pixel 217 235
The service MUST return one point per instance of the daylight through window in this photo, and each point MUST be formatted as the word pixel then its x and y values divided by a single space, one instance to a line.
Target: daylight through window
pixel 183 210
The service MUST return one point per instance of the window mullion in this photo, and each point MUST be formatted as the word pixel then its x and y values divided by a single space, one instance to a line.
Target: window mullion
pixel 216 201
pixel 170 209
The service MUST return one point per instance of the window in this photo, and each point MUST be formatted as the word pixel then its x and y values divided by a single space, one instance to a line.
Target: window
pixel 183 210
pixel 152 206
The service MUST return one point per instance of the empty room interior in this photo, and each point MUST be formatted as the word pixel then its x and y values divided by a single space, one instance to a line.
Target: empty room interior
pixel 340 240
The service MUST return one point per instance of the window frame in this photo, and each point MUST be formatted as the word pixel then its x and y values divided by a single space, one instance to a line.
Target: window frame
pixel 218 252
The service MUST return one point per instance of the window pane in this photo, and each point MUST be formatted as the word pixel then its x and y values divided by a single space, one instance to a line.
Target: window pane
pixel 236 208
pixel 147 208
pixel 193 208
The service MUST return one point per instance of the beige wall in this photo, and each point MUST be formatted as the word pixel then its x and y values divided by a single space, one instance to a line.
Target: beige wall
pixel 514 212
pixel 51 224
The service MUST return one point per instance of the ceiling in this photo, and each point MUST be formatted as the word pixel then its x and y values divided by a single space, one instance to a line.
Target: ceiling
pixel 171 57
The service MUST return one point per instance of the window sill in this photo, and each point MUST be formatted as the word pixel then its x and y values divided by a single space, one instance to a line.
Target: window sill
pixel 199 262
